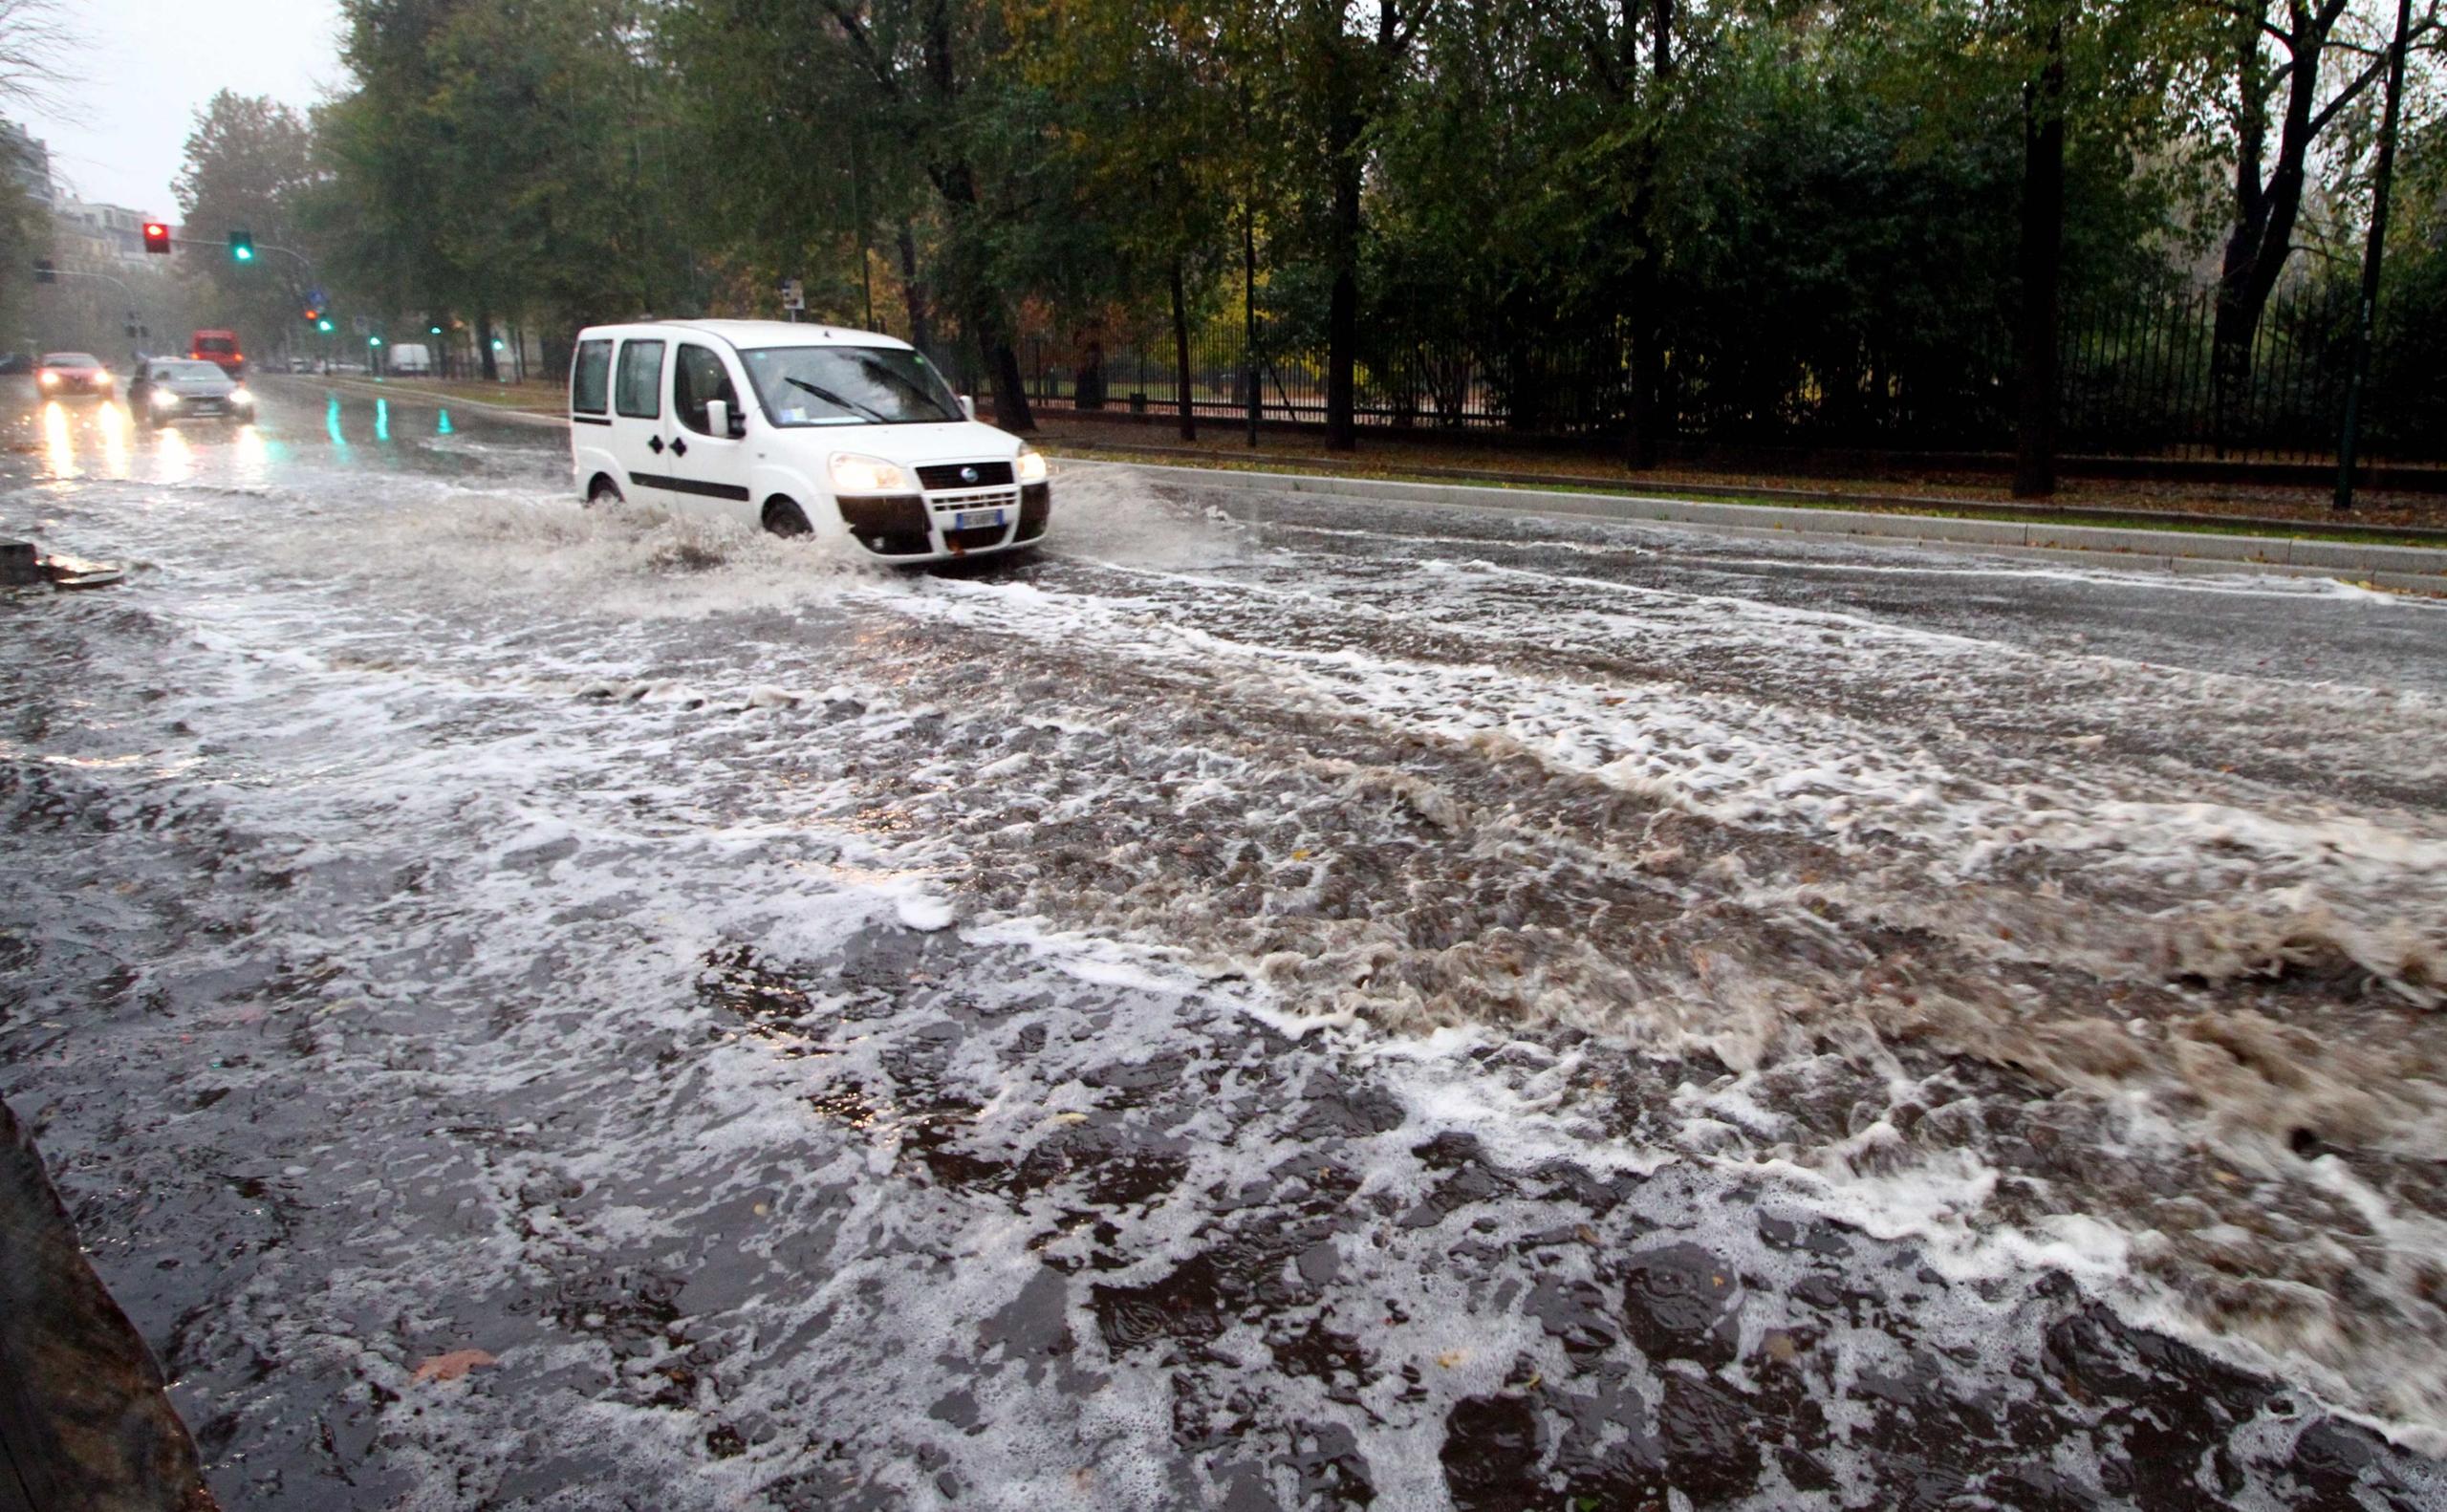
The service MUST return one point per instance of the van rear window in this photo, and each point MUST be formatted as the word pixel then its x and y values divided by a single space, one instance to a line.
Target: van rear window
pixel 640 394
pixel 591 379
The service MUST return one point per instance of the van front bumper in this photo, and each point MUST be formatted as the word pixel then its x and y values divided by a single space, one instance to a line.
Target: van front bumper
pixel 923 528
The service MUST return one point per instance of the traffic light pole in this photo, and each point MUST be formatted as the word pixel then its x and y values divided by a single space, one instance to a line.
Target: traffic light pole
pixel 260 248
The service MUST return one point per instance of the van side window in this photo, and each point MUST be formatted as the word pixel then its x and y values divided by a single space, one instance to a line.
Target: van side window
pixel 641 395
pixel 700 377
pixel 591 379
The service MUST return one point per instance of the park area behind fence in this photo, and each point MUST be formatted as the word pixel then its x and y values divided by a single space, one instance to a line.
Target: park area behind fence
pixel 2135 378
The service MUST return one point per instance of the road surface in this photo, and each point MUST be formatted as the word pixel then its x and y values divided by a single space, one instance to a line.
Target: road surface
pixel 1270 1002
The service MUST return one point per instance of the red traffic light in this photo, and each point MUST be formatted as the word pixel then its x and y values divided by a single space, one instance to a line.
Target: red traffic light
pixel 156 237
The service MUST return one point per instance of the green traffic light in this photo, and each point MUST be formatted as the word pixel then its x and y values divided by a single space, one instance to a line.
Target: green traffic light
pixel 374 341
pixel 322 325
pixel 244 254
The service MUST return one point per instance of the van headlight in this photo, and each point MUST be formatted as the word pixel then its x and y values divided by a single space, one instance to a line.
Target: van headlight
pixel 852 473
pixel 163 399
pixel 1030 464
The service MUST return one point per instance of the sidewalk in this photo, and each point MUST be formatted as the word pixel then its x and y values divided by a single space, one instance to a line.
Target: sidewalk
pixel 2366 563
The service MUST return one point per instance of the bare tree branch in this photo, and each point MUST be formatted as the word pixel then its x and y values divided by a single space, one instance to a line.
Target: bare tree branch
pixel 35 40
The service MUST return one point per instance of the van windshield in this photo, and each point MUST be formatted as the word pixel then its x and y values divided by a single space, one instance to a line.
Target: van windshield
pixel 849 386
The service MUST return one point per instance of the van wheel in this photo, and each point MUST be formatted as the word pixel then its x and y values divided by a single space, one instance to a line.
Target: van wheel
pixel 783 517
pixel 603 493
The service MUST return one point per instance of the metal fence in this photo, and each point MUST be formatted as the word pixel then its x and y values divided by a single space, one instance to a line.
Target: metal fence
pixel 2135 378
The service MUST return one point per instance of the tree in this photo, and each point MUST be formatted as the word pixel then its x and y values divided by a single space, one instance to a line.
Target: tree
pixel 936 83
pixel 2280 90
pixel 248 166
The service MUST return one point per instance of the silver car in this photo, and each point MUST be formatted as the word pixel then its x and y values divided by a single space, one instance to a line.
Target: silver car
pixel 167 389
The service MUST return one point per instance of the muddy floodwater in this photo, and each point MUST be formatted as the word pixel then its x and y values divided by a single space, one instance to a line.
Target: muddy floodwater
pixel 1268 1003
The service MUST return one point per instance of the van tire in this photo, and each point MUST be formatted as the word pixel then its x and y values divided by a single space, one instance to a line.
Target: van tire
pixel 602 491
pixel 784 517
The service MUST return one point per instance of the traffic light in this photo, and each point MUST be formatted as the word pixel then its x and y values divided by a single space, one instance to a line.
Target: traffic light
pixel 44 273
pixel 157 238
pixel 324 324
pixel 433 331
pixel 312 313
pixel 374 341
pixel 242 246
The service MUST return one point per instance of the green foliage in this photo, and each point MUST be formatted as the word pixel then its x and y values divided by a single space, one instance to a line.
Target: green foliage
pixel 1791 204
pixel 249 163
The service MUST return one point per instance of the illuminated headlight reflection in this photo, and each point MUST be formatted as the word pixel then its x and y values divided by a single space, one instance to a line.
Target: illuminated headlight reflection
pixel 240 398
pixel 163 399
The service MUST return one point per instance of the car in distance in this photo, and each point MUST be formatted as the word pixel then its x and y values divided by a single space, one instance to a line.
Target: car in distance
pixel 800 429
pixel 220 349
pixel 62 374
pixel 166 389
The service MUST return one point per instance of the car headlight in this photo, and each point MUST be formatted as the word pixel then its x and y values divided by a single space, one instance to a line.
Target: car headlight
pixel 240 398
pixel 163 399
pixel 49 379
pixel 1032 464
pixel 852 473
pixel 101 378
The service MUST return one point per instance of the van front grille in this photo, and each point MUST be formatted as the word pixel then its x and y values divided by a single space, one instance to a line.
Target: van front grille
pixel 949 475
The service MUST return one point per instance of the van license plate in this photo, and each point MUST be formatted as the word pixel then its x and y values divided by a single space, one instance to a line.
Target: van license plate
pixel 976 519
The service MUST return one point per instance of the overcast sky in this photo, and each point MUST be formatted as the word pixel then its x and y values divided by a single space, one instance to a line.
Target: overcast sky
pixel 144 67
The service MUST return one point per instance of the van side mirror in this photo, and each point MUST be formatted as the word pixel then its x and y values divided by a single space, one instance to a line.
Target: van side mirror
pixel 968 405
pixel 723 420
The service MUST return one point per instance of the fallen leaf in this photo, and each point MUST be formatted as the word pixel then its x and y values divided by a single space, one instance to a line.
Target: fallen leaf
pixel 452 1366
pixel 1452 1357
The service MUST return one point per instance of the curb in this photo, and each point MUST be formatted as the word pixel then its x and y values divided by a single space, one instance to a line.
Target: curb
pixel 2413 568
pixel 1584 482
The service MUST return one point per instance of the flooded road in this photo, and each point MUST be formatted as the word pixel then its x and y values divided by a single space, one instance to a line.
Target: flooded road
pixel 1268 1004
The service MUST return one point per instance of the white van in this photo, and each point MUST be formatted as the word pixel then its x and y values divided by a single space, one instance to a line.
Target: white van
pixel 799 428
pixel 408 359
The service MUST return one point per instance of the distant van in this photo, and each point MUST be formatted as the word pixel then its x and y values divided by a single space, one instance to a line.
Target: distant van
pixel 220 349
pixel 799 428
pixel 409 359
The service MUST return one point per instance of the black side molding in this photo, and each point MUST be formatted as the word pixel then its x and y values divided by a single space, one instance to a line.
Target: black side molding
pixel 709 490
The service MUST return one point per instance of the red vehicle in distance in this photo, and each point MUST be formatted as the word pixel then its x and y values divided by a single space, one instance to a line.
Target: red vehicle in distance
pixel 220 349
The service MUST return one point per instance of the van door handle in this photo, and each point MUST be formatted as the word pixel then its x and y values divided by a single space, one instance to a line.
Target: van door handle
pixel 655 445
pixel 680 445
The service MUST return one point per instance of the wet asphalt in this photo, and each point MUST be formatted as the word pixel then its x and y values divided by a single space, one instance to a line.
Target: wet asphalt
pixel 1258 1004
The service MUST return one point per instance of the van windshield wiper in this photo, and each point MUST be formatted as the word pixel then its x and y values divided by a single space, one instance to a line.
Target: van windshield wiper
pixel 835 399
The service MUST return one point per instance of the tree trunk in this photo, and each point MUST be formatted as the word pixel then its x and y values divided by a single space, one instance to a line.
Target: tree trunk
pixel 484 346
pixel 1342 308
pixel 1180 356
pixel 913 293
pixel 2262 235
pixel 2041 264
pixel 1003 375
pixel 1648 415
